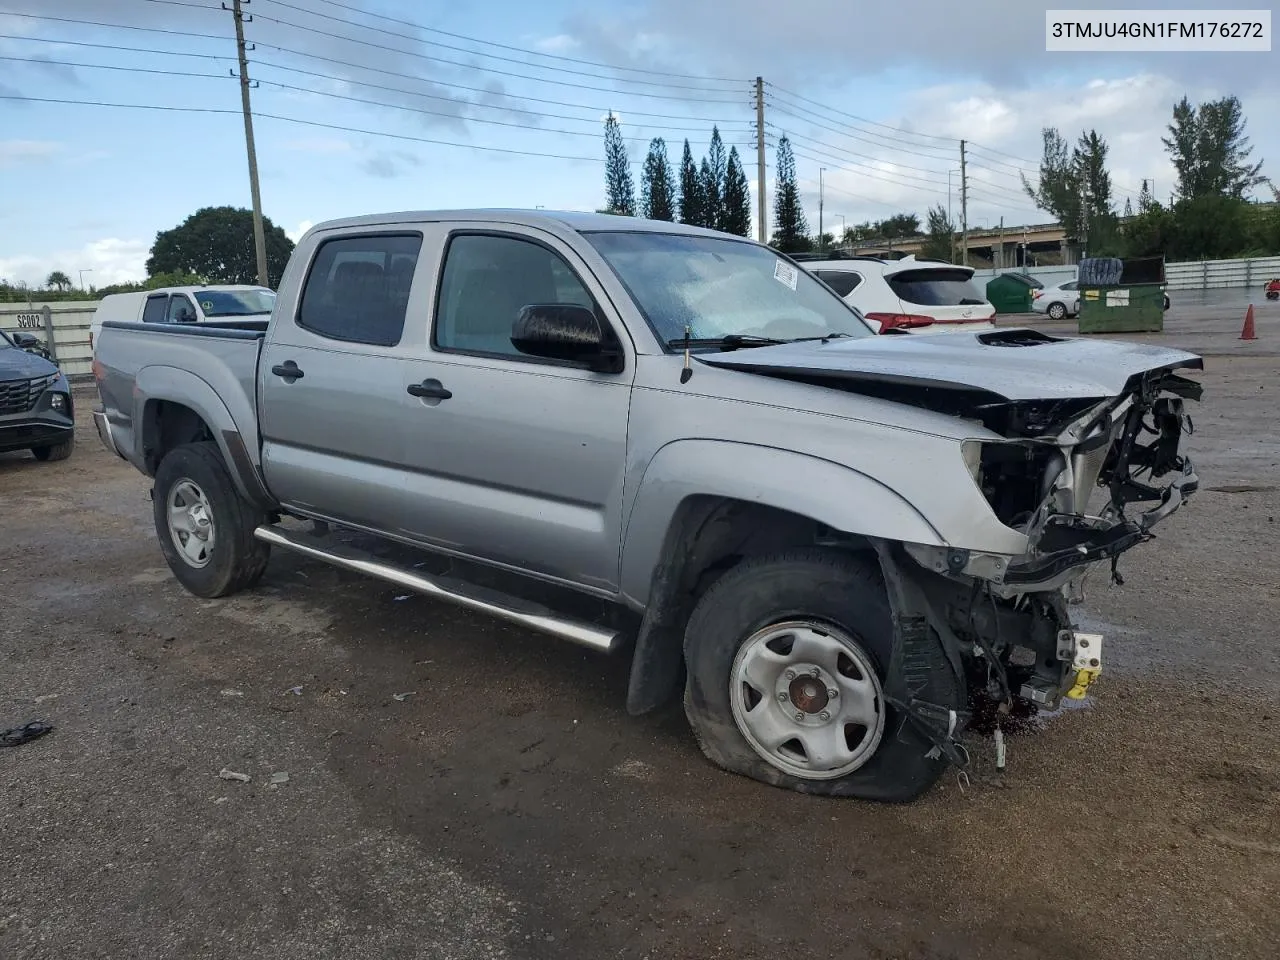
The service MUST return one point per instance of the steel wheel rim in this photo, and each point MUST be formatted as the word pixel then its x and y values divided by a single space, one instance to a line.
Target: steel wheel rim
pixel 190 523
pixel 781 688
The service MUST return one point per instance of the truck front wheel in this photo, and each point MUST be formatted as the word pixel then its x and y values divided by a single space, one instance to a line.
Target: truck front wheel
pixel 204 526
pixel 787 658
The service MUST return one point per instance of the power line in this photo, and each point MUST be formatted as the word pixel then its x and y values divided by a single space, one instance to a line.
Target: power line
pixel 454 116
pixel 595 108
pixel 305 123
pixel 424 56
pixel 103 66
pixel 843 151
pixel 896 183
pixel 857 136
pixel 494 106
pixel 205 36
pixel 433 43
pixel 114 47
pixel 503 46
pixel 852 116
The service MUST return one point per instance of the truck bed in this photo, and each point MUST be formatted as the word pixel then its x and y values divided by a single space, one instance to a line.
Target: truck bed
pixel 148 355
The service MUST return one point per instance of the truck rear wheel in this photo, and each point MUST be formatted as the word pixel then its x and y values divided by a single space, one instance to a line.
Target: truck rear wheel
pixel 204 526
pixel 787 657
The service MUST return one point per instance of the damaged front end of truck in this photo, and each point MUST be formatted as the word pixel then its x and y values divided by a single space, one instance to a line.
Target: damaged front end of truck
pixel 1078 449
pixel 1084 481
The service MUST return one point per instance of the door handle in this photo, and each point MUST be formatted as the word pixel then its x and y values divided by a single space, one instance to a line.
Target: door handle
pixel 287 371
pixel 429 390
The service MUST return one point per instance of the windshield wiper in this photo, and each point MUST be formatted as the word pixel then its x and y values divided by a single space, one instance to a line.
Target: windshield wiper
pixel 732 341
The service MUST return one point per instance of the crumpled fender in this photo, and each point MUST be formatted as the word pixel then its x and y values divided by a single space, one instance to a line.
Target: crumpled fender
pixel 828 492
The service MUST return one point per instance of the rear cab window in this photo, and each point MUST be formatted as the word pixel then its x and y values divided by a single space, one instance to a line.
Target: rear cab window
pixel 936 287
pixel 155 308
pixel 357 289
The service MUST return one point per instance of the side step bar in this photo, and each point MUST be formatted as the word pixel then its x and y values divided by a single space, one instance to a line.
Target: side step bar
pixel 492 602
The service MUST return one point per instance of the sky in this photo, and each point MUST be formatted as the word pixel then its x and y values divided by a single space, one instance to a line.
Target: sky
pixel 366 106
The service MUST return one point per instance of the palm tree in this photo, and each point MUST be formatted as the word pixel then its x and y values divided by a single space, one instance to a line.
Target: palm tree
pixel 58 279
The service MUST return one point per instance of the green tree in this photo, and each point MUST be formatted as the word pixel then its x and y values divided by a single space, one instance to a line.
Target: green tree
pixel 691 201
pixel 710 195
pixel 216 243
pixel 939 243
pixel 620 193
pixel 657 185
pixel 737 197
pixel 1058 188
pixel 1210 150
pixel 898 226
pixel 59 280
pixel 1098 223
pixel 790 229
pixel 713 172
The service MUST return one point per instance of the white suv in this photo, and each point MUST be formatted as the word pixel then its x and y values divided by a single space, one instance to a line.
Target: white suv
pixel 907 295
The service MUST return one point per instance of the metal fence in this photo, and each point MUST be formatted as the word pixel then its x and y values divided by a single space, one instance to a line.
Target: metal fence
pixel 1191 275
pixel 64 328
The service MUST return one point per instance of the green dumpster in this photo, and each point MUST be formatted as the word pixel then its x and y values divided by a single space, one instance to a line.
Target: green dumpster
pixel 1011 292
pixel 1121 296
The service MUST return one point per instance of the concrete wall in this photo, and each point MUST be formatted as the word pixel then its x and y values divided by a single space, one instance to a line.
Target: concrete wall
pixel 1192 275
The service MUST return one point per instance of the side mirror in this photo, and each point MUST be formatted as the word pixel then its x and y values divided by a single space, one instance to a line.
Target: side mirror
pixel 563 331
pixel 25 340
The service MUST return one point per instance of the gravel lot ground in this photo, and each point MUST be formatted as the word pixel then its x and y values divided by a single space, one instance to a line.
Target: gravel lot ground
pixel 511 808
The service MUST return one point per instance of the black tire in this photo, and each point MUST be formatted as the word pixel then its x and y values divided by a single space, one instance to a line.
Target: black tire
pixel 236 560
pixel 54 451
pixel 835 588
pixel 1056 311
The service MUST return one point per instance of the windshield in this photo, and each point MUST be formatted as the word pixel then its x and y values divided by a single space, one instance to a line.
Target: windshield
pixel 936 288
pixel 5 342
pixel 707 288
pixel 235 303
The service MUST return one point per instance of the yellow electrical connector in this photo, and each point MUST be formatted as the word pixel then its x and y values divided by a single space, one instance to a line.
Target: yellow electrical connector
pixel 1088 664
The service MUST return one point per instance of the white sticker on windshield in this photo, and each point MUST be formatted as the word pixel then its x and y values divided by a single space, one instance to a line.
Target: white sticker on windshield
pixel 785 273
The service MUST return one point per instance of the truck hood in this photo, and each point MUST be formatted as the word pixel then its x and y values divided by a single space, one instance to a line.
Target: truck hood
pixel 17 364
pixel 1007 365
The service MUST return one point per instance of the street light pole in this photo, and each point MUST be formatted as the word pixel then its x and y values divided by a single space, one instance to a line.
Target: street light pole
pixel 821 235
pixel 82 273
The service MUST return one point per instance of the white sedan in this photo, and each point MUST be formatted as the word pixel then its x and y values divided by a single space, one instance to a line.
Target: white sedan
pixel 1057 302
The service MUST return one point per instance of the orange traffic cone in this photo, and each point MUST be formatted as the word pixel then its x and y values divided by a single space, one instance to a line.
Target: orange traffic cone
pixel 1248 333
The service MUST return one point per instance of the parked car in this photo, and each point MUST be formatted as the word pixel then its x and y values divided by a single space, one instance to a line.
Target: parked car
pixel 36 411
pixel 1059 301
pixel 907 295
pixel 227 302
pixel 826 537
pixel 32 344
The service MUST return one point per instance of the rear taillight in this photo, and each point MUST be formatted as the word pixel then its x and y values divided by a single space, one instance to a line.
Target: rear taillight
pixel 99 374
pixel 1036 294
pixel 890 321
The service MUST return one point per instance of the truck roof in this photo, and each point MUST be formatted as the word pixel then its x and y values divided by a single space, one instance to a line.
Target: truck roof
pixel 552 219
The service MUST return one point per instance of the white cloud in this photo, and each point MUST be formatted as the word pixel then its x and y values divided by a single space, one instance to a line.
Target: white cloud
pixel 14 152
pixel 297 232
pixel 560 43
pixel 111 260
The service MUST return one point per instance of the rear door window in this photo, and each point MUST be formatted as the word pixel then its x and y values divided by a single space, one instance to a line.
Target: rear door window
pixel 154 311
pixel 358 288
pixel 843 282
pixel 936 287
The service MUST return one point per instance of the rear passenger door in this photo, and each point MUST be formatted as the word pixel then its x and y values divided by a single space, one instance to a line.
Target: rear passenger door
pixel 334 413
pixel 522 462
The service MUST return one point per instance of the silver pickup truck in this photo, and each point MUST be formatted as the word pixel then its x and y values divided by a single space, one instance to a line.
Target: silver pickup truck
pixel 831 540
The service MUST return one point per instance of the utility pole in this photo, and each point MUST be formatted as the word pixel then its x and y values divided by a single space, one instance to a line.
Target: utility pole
pixel 259 237
pixel 1002 263
pixel 821 235
pixel 964 210
pixel 762 228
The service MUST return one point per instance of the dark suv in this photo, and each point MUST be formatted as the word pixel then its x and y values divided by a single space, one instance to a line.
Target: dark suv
pixel 35 404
